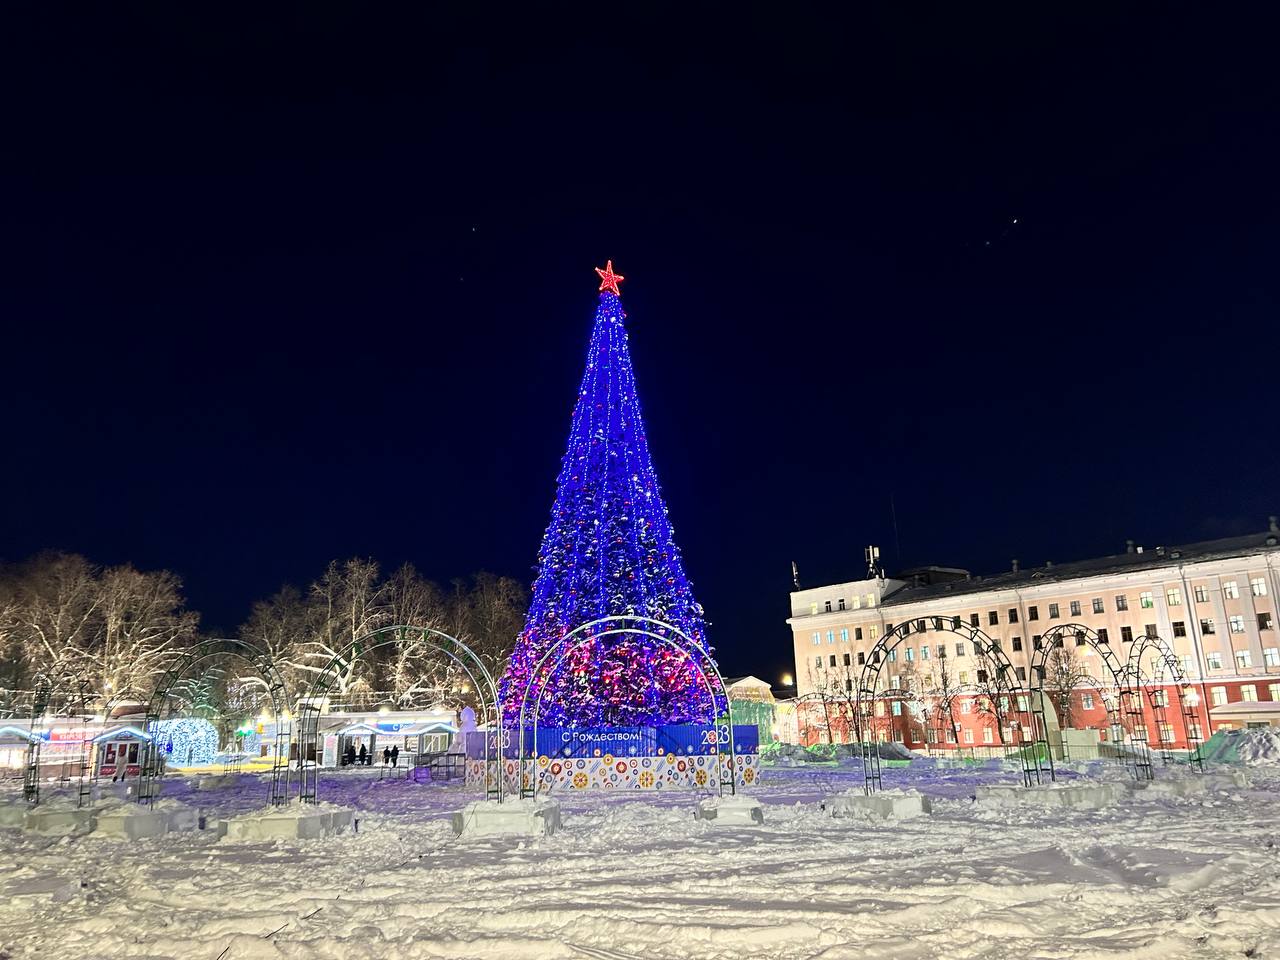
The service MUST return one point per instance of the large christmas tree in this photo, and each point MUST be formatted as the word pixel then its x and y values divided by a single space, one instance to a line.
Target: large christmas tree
pixel 609 550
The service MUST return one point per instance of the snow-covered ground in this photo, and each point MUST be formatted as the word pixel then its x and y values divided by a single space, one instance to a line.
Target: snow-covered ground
pixel 633 876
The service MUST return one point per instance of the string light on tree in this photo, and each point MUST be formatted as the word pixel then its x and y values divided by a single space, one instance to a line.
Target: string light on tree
pixel 609 550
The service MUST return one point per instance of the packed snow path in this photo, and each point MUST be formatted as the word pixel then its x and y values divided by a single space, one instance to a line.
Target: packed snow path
pixel 631 876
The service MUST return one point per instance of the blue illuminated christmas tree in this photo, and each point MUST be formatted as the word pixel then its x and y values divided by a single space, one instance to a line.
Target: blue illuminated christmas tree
pixel 609 550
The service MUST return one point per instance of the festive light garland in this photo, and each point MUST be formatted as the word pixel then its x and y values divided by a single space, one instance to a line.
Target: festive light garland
pixel 187 740
pixel 609 550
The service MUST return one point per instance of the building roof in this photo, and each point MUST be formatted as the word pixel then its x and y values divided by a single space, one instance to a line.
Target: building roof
pixel 1139 559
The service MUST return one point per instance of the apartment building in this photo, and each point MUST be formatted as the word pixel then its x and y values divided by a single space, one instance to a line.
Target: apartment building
pixel 1212 604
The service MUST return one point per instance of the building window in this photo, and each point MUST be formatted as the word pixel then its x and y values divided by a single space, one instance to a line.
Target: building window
pixel 1149 629
pixel 1126 634
pixel 1020 673
pixel 1179 628
pixel 924 651
pixel 817 639
pixel 1013 614
pixel 959 649
pixel 911 654
pixel 1097 605
pixel 828 604
pixel 968 736
pixel 831 636
pixel 1273 691
pixel 1206 627
pixel 1102 635
pixel 1202 593
pixel 1146 600
pixel 813 608
pixel 964 677
pixel 986 735
pixel 817 661
pixel 1248 693
pixel 1159 698
pixel 1033 613
pixel 966 706
pixel 1185 663
pixel 893 655
pixel 857 602
pixel 1017 644
pixel 833 659
pixel 844 634
pixel 1194 730
pixel 993 618
pixel 1075 608
pixel 871 632
pixel 1243 660
pixel 862 659
pixel 896 708
pixel 1264 621
pixel 840 604
pixel 1236 624
pixel 942 651
pixel 1173 597
pixel 1053 611
pixel 1166 732
pixel 848 661
pixel 1230 590
pixel 1086 701
pixel 857 633
pixel 1213 660
pixel 871 599
pixel 1258 586
pixel 1271 657
pixel 974 620
pixel 1122 602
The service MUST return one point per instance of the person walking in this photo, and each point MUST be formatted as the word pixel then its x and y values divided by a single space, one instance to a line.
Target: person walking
pixel 386 756
pixel 363 756
pixel 395 755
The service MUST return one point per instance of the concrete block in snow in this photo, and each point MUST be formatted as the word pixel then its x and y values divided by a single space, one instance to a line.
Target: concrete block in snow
pixel 59 821
pixel 888 805
pixel 735 810
pixel 131 821
pixel 512 818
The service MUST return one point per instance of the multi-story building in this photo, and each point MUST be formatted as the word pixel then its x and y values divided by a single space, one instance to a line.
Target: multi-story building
pixel 1208 608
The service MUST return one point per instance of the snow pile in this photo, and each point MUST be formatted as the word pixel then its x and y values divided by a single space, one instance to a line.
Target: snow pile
pixel 1252 747
pixel 1258 746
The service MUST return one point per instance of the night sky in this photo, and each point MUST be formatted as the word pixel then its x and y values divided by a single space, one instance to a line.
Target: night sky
pixel 316 284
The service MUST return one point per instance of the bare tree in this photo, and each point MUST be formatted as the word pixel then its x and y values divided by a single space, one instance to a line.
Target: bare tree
pixel 1063 672
pixel 143 628
pixel 820 684
pixel 115 629
pixel 345 604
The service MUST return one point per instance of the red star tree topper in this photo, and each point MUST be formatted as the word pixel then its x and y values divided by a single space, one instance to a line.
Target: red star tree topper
pixel 608 279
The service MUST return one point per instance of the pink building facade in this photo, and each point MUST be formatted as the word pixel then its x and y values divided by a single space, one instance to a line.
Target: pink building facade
pixel 1194 627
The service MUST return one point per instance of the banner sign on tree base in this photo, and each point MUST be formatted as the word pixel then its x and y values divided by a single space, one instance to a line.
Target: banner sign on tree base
pixel 681 757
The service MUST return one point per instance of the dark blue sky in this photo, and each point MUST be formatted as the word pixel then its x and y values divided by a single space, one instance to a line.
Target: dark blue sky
pixel 313 283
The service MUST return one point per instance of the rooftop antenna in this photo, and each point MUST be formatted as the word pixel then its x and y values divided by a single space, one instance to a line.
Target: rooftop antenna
pixel 872 554
pixel 795 575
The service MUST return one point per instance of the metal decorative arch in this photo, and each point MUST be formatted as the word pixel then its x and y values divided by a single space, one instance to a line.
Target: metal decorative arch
pixel 1151 648
pixel 1010 695
pixel 54 693
pixel 1082 636
pixel 627 625
pixel 258 660
pixel 307 732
